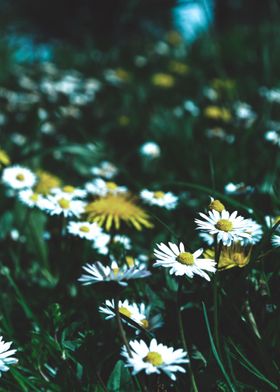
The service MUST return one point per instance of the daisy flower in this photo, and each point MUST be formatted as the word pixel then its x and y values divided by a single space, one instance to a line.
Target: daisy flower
pixel 238 189
pixel 34 199
pixel 86 230
pixel 140 314
pixel 101 243
pixel 99 187
pixel 99 273
pixel 105 169
pixel 123 240
pixel 150 150
pixel 161 199
pixel 46 182
pixel 65 206
pixel 111 210
pixel 228 227
pixel 256 232
pixel 154 358
pixel 181 262
pixel 275 240
pixel 6 358
pixel 18 177
pixel 69 190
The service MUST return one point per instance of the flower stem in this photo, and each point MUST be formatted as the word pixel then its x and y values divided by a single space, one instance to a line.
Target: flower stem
pixel 183 338
pixel 218 249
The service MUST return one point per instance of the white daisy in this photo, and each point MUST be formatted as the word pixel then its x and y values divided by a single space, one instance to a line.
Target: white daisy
pixel 86 230
pixel 99 273
pixel 154 358
pixel 124 240
pixel 105 169
pixel 181 262
pixel 99 187
pixel 238 189
pixel 69 191
pixel 150 150
pixel 273 137
pixel 228 227
pixel 162 199
pixel 33 199
pixel 101 243
pixel 6 358
pixel 18 177
pixel 65 206
pixel 275 240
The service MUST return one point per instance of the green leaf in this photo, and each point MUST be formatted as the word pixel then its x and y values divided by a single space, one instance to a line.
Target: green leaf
pixel 120 379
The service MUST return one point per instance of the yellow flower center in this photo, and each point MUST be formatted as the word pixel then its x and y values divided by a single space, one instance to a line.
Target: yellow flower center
pixel 84 229
pixel 159 194
pixel 34 197
pixel 145 323
pixel 20 177
pixel 115 271
pixel 46 182
pixel 111 185
pixel 216 205
pixel 123 310
pixel 154 358
pixel 185 258
pixel 64 203
pixel 68 189
pixel 224 225
pixel 129 261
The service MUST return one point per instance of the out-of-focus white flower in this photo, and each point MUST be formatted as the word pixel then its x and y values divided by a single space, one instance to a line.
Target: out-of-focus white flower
pixel 69 191
pixel 221 134
pixel 181 262
pixel 87 230
pixel 105 169
pixel 99 187
pixel 65 206
pixel 33 199
pixel 161 199
pixel 244 113
pixel 101 243
pixel 238 189
pixel 99 273
pixel 18 177
pixel 6 358
pixel 271 95
pixel 154 358
pixel 273 137
pixel 275 240
pixel 150 150
pixel 192 108
pixel 256 232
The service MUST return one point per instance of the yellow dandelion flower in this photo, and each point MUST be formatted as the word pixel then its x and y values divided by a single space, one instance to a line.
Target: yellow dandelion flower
pixel 46 181
pixel 217 113
pixel 235 255
pixel 115 208
pixel 178 67
pixel 4 158
pixel 174 38
pixel 163 80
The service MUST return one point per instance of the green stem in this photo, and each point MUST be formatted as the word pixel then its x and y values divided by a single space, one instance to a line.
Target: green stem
pixel 218 249
pixel 183 338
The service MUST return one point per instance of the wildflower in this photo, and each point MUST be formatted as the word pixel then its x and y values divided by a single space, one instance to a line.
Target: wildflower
pixel 244 113
pixel 154 358
pixel 216 205
pixel 97 273
pixel 116 76
pixel 46 182
pixel 150 150
pixel 255 230
pixel 100 187
pixel 235 255
pixel 33 199
pixel 101 243
pixel 273 137
pixel 114 209
pixel 18 177
pixel 238 189
pixel 86 230
pixel 181 262
pixel 6 358
pixel 220 133
pixel 140 314
pixel 275 240
pixel 105 169
pixel 163 80
pixel 69 190
pixel 228 227
pixel 4 158
pixel 217 113
pixel 65 206
pixel 162 199
pixel 192 108
pixel 271 95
